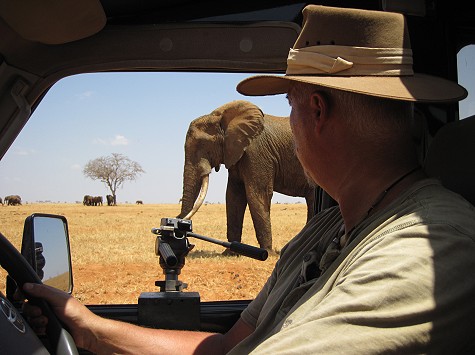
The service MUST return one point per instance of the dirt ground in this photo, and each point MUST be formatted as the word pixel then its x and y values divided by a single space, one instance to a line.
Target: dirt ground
pixel 230 281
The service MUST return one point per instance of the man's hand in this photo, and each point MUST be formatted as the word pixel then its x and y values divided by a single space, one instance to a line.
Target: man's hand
pixel 75 316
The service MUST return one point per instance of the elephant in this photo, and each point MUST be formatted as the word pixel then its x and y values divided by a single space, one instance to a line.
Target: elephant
pixel 87 201
pixel 97 201
pixel 258 151
pixel 110 200
pixel 139 202
pixel 92 200
pixel 1 201
pixel 12 200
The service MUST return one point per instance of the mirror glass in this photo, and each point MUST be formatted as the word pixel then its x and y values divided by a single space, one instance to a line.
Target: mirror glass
pixel 51 250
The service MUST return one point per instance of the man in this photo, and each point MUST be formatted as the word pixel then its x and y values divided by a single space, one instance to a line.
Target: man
pixel 384 271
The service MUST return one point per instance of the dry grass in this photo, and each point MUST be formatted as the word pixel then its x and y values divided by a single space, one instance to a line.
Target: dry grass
pixel 113 249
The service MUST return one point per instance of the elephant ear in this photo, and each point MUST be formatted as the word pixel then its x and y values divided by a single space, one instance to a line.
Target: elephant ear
pixel 241 121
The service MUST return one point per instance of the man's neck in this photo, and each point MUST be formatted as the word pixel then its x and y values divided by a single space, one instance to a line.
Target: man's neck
pixel 363 196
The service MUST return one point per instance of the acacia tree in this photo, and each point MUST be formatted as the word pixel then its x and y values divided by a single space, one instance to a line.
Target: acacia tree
pixel 113 171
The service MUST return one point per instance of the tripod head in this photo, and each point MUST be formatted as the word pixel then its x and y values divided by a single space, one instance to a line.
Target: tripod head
pixel 172 246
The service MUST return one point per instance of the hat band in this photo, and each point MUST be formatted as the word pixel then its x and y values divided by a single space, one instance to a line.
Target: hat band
pixel 350 61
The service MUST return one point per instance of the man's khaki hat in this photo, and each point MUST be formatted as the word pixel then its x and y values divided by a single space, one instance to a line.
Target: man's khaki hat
pixel 361 51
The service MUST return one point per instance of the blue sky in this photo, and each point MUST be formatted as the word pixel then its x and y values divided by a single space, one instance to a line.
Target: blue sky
pixel 144 116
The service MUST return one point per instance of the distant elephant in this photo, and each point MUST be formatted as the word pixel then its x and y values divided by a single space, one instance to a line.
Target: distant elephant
pixel 139 202
pixel 97 201
pixel 87 201
pixel 12 200
pixel 258 151
pixel 1 201
pixel 110 200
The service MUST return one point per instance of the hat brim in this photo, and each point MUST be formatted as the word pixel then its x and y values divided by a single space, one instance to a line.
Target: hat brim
pixel 417 88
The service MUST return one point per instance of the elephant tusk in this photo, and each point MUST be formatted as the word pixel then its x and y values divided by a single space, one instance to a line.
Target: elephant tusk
pixel 201 197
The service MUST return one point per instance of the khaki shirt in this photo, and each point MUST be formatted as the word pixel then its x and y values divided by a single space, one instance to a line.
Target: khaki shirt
pixel 403 284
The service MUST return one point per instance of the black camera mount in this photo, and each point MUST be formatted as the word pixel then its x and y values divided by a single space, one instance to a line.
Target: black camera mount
pixel 171 307
pixel 172 245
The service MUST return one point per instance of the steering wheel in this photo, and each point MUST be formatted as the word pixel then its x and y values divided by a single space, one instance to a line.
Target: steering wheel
pixel 18 268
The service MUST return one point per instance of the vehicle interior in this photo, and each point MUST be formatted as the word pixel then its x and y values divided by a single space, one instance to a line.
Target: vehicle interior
pixel 44 42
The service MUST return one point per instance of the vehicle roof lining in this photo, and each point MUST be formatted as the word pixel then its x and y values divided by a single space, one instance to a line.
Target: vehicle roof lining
pixel 160 11
pixel 247 47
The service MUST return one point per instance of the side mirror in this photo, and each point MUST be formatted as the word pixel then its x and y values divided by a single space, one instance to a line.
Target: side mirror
pixel 45 246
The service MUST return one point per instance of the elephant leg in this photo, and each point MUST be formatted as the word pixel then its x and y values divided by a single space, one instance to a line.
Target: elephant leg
pixel 236 203
pixel 259 206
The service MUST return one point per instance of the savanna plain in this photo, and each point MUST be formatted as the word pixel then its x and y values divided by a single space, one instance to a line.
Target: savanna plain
pixel 113 249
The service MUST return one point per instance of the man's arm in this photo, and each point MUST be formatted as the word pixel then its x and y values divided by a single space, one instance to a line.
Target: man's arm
pixel 101 335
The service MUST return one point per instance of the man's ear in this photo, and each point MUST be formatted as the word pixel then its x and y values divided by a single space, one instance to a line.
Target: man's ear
pixel 320 106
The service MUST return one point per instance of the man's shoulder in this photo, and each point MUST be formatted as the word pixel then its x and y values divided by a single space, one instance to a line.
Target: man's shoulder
pixel 439 205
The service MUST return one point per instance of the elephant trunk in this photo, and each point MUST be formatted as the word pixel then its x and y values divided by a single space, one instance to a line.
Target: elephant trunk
pixel 201 197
